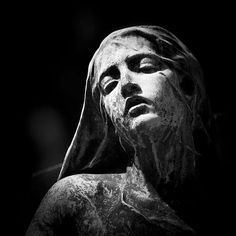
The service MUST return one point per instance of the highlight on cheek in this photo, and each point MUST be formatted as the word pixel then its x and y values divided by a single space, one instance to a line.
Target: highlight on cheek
pixel 116 106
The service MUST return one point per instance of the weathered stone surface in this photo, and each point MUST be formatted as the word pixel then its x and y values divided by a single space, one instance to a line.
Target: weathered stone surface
pixel 140 114
pixel 114 204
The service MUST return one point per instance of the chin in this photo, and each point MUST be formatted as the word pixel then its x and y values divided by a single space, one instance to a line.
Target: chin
pixel 145 122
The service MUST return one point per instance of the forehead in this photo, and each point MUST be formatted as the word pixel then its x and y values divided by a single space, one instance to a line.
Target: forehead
pixel 120 48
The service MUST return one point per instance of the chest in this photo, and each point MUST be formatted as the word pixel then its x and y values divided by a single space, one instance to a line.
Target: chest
pixel 119 219
pixel 106 213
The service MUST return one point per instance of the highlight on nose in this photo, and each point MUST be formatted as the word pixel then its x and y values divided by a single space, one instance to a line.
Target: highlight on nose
pixel 130 89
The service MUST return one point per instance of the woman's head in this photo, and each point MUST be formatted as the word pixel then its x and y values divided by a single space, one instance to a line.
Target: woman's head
pixel 145 78
pixel 142 80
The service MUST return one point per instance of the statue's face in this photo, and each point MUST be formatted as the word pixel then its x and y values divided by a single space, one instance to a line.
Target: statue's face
pixel 137 87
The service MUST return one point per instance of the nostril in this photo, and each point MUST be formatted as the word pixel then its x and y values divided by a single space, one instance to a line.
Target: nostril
pixel 130 89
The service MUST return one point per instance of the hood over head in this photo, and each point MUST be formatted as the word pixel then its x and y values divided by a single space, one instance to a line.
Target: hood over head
pixel 95 147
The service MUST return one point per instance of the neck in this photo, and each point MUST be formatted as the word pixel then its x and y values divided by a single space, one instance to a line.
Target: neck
pixel 167 161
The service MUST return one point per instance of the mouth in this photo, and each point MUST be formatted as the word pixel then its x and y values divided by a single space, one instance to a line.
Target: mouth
pixel 136 105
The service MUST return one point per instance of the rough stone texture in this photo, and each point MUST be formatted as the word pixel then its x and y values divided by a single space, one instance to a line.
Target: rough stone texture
pixel 138 119
pixel 114 204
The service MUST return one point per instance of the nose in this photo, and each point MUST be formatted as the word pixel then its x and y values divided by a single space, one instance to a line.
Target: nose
pixel 129 89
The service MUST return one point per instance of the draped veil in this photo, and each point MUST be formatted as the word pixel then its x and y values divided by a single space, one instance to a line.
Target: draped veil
pixel 95 147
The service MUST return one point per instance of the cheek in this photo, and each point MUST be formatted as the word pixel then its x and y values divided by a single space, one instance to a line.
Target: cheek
pixel 153 87
pixel 114 105
pixel 172 110
pixel 159 86
pixel 168 105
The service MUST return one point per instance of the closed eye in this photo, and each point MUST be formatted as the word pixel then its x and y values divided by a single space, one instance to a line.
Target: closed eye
pixel 148 68
pixel 108 87
pixel 144 64
pixel 109 79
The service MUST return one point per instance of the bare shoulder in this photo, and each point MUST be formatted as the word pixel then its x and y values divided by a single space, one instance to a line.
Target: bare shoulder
pixel 65 199
pixel 81 186
pixel 71 197
pixel 84 185
pixel 66 193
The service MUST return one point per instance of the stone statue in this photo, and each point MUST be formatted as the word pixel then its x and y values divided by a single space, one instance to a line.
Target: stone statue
pixel 133 149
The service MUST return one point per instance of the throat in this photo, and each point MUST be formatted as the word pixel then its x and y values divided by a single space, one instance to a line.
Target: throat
pixel 164 161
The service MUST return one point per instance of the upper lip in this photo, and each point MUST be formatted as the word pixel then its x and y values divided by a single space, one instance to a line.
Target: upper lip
pixel 133 101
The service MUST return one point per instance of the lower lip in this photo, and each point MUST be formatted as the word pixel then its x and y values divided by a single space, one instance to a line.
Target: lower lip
pixel 138 110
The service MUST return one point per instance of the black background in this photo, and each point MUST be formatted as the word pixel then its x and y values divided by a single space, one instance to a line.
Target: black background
pixel 51 46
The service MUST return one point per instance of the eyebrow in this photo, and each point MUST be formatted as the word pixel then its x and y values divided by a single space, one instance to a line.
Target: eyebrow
pixel 128 59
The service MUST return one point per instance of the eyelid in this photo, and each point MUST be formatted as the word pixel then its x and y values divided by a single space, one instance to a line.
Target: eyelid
pixel 112 72
pixel 108 85
pixel 104 81
pixel 135 61
pixel 147 60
